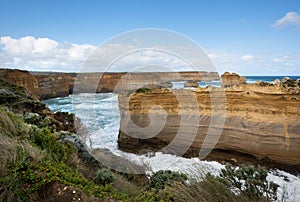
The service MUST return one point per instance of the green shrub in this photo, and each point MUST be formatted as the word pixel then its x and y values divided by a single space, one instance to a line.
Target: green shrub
pixel 142 90
pixel 45 140
pixel 165 177
pixel 104 177
pixel 10 124
pixel 250 181
pixel 39 121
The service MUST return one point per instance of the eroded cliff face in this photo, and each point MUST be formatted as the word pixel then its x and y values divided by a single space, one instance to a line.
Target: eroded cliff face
pixel 21 78
pixel 261 120
pixel 56 84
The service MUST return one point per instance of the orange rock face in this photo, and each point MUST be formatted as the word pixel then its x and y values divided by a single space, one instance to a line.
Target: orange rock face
pixel 21 78
pixel 45 85
pixel 262 121
pixel 62 84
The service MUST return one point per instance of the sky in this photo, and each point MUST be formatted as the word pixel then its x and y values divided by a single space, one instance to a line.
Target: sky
pixel 250 37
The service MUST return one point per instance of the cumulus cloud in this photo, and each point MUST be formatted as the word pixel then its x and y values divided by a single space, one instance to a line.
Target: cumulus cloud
pixel 42 54
pixel 247 57
pixel 290 19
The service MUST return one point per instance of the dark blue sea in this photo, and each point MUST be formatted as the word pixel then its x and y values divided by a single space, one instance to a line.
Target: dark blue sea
pixel 249 79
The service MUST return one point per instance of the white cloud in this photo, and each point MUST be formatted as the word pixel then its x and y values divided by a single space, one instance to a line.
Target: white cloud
pixel 281 58
pixel 44 45
pixel 42 54
pixel 247 57
pixel 290 19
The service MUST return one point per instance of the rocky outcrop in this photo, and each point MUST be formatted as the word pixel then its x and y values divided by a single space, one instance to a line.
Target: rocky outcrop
pixel 193 84
pixel 53 85
pixel 261 120
pixel 45 85
pixel 62 84
pixel 232 79
pixel 21 78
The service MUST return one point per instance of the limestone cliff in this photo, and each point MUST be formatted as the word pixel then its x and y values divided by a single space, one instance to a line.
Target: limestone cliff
pixel 261 120
pixel 56 84
pixel 21 78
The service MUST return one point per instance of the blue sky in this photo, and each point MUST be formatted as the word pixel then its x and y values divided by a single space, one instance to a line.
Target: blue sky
pixel 252 37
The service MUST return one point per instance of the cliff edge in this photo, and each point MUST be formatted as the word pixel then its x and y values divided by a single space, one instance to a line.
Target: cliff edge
pixel 262 120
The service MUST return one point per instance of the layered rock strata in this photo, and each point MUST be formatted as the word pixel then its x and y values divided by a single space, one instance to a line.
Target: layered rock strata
pixel 21 78
pixel 45 85
pixel 260 120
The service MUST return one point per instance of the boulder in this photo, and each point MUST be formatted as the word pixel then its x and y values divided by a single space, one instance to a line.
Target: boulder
pixel 276 82
pixel 287 82
pixel 298 82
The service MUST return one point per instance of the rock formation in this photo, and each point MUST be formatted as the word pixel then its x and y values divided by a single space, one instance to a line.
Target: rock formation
pixel 261 120
pixel 45 85
pixel 232 79
pixel 21 78
pixel 193 84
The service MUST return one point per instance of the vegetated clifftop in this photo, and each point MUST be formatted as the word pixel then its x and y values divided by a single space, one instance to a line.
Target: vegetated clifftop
pixel 262 120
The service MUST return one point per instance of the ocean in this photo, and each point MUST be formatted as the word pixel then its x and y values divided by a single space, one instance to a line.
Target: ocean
pixel 100 114
pixel 250 79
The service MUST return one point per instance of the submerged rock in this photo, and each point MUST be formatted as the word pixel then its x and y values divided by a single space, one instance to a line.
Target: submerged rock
pixel 167 84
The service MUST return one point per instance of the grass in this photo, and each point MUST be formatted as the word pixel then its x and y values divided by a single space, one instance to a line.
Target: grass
pixel 32 157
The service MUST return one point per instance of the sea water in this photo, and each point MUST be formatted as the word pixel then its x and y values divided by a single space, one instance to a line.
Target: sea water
pixel 100 114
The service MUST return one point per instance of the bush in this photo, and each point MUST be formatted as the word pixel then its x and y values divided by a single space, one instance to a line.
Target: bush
pixel 45 140
pixel 208 189
pixel 250 181
pixel 142 90
pixel 104 177
pixel 165 177
pixel 39 121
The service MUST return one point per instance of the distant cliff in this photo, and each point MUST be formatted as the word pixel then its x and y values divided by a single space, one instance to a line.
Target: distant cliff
pixel 262 120
pixel 45 85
